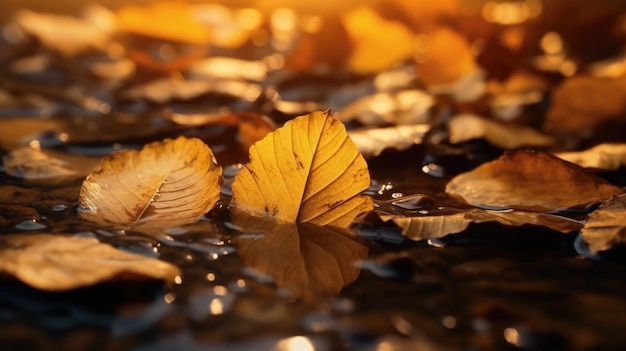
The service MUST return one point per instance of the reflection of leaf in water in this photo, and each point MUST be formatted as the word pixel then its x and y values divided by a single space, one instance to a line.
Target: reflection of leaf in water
pixel 304 259
pixel 507 136
pixel 167 183
pixel 528 180
pixel 308 171
pixel 431 227
pixel 604 156
pixel 606 226
pixel 57 263
pixel 371 142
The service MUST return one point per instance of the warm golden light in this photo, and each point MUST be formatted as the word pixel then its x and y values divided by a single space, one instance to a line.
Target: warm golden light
pixel 216 307
pixel 297 343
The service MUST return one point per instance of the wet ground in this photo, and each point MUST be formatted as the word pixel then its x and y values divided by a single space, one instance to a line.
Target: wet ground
pixel 490 288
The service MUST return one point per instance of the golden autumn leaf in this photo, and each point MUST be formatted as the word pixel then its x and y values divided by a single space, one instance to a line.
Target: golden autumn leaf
pixel 432 227
pixel 308 171
pixel 379 43
pixel 528 180
pixel 507 136
pixel 304 259
pixel 444 57
pixel 56 262
pixel 606 226
pixel 166 183
pixel 604 156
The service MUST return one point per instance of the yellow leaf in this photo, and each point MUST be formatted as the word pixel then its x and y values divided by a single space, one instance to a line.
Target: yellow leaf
pixel 57 263
pixel 532 181
pixel 304 259
pixel 167 183
pixel 378 43
pixel 308 171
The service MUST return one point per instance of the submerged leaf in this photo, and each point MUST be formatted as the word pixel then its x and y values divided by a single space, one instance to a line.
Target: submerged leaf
pixel 530 180
pixel 606 226
pixel 303 259
pixel 171 183
pixel 604 156
pixel 308 171
pixel 507 136
pixel 432 227
pixel 57 263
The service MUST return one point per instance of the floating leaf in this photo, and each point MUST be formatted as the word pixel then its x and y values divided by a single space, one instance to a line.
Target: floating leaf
pixel 308 171
pixel 530 180
pixel 432 227
pixel 507 136
pixel 57 263
pixel 604 156
pixel 167 183
pixel 371 142
pixel 29 163
pixel 606 226
pixel 304 259
pixel 379 43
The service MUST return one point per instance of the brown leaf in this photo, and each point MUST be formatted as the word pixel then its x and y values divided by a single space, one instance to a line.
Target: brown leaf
pixel 581 103
pixel 507 136
pixel 528 180
pixel 604 156
pixel 167 183
pixel 308 171
pixel 606 226
pixel 58 263
pixel 303 259
pixel 432 227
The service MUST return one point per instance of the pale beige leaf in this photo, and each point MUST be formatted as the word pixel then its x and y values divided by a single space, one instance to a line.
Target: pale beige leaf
pixel 604 156
pixel 304 259
pixel 57 262
pixel 170 88
pixel 383 109
pixel 29 163
pixel 371 142
pixel 308 171
pixel 167 183
pixel 530 180
pixel 507 136
pixel 606 226
pixel 431 227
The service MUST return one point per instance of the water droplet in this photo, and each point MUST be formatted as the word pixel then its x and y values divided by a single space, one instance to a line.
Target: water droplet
pixel 59 208
pixel 397 195
pixel 30 224
pixel 433 169
pixel 436 243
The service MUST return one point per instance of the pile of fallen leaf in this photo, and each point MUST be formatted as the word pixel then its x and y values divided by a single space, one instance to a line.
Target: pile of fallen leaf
pixel 531 116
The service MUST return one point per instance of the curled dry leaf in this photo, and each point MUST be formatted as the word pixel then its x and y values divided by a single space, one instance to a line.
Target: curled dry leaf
pixel 308 171
pixel 606 226
pixel 58 263
pixel 604 156
pixel 532 181
pixel 371 142
pixel 582 102
pixel 68 35
pixel 432 227
pixel 304 259
pixel 507 136
pixel 167 183
pixel 379 43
